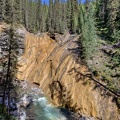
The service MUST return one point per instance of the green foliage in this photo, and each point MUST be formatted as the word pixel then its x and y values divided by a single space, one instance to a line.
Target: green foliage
pixel 107 13
pixel 49 19
pixel 116 36
pixel 88 31
pixel 58 16
pixel 1 107
pixel 5 116
pixel 1 10
pixel 93 22
pixel 16 10
pixel 8 11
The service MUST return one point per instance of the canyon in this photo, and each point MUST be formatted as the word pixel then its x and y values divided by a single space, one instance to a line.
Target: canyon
pixel 54 64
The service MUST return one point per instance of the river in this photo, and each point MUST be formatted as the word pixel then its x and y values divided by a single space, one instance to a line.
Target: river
pixel 37 107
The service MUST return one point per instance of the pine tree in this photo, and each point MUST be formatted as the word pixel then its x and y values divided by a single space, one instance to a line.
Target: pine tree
pixel 31 16
pixel 101 10
pixel 43 18
pixel 88 31
pixel 26 14
pixel 1 10
pixel 69 14
pixel 36 26
pixel 64 26
pixel 16 11
pixel 39 15
pixel 107 14
pixel 75 15
pixel 8 15
pixel 112 10
pixel 50 19
pixel 72 15
pixel 57 15
pixel 22 12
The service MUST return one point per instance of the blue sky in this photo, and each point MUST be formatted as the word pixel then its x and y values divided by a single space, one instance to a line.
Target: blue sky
pixel 46 1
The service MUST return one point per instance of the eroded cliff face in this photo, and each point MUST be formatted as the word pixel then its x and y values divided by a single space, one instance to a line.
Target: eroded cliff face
pixel 57 68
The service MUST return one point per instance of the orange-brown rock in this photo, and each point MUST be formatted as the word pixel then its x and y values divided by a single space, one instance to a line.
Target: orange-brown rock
pixel 57 67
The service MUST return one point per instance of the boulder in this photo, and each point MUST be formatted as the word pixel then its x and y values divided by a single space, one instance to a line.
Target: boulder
pixel 25 101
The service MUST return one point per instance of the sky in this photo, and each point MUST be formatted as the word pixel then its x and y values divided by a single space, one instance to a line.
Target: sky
pixel 46 1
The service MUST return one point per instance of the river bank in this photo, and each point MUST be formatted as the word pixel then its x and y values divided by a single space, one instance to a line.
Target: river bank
pixel 31 104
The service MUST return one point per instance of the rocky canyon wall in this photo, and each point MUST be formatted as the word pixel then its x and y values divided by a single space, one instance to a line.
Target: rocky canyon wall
pixel 56 67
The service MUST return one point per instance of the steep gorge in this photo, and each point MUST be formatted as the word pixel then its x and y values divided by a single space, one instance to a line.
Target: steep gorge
pixel 56 67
